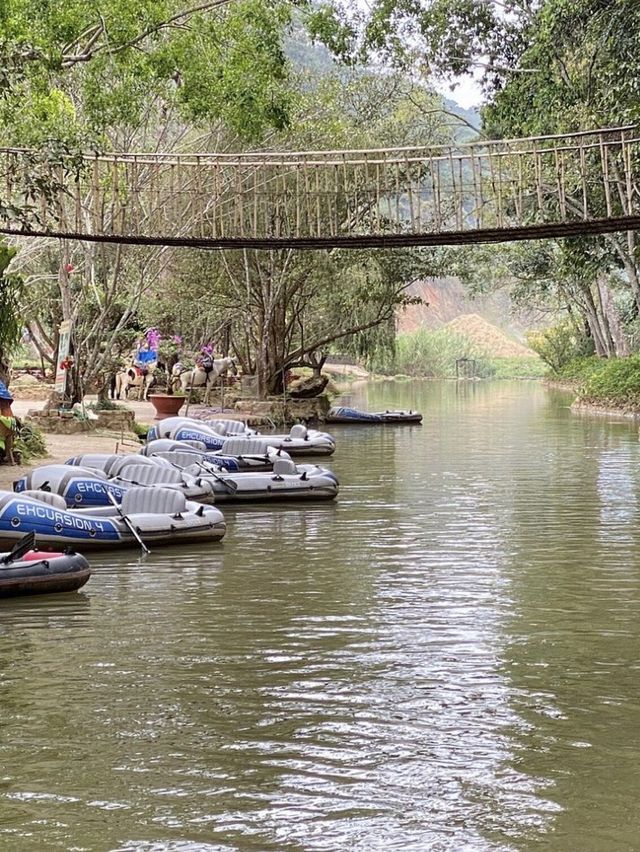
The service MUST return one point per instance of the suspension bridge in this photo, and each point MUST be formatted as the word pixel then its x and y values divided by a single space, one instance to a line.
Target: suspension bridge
pixel 484 191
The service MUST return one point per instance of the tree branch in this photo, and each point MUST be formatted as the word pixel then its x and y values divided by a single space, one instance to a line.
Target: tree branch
pixel 90 51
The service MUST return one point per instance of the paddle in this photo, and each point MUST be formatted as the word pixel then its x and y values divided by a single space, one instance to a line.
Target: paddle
pixel 26 543
pixel 228 483
pixel 128 522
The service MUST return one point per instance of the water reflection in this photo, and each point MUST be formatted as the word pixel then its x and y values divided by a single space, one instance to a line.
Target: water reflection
pixel 444 659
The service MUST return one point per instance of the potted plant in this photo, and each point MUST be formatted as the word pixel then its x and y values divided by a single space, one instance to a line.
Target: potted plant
pixel 166 404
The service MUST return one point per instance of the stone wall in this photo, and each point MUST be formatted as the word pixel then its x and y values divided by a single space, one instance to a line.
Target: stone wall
pixel 65 423
pixel 282 413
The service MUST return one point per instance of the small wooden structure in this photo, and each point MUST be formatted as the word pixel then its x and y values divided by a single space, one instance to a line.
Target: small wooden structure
pixel 465 368
pixel 483 191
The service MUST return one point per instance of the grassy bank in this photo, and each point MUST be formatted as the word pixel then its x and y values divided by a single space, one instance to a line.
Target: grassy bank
pixel 612 383
pixel 433 354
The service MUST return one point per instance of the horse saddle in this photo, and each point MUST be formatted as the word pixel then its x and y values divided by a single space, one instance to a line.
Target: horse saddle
pixel 141 371
pixel 205 363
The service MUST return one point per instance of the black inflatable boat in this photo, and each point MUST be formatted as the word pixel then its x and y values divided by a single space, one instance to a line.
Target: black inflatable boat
pixel 37 572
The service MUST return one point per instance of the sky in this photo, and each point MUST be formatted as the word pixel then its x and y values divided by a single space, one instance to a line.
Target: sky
pixel 467 92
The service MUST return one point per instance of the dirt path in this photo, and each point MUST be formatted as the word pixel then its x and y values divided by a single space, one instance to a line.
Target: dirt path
pixel 60 447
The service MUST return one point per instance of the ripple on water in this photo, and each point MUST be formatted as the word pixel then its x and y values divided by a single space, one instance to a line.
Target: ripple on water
pixel 444 659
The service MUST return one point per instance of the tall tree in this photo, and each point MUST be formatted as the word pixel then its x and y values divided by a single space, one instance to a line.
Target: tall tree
pixel 288 308
pixel 129 76
pixel 10 318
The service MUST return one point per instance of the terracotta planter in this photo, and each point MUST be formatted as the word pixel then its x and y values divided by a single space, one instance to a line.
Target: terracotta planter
pixel 166 405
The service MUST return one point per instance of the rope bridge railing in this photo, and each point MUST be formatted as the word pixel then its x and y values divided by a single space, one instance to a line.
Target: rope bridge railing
pixel 482 191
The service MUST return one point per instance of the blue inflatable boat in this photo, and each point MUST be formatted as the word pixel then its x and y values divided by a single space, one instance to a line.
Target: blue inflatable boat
pixel 343 414
pixel 159 515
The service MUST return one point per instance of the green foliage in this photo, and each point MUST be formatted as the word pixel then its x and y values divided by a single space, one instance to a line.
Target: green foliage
pixel 433 354
pixel 80 69
pixel 616 383
pixel 513 368
pixel 140 429
pixel 581 70
pixel 430 354
pixel 560 344
pixel 104 405
pixel 29 443
pixel 11 287
pixel 581 369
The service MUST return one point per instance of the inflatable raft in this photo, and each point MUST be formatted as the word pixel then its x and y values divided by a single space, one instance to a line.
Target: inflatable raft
pixel 214 435
pixel 123 471
pixel 39 573
pixel 159 515
pixel 80 487
pixel 246 456
pixel 286 481
pixel 342 414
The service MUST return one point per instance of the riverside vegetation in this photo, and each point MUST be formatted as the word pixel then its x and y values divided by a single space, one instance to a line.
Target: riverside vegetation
pixel 252 74
pixel 433 354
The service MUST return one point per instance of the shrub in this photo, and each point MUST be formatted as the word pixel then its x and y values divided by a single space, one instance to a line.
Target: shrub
pixel 516 368
pixel 104 405
pixel 616 382
pixel 432 354
pixel 140 429
pixel 29 443
pixel 560 344
pixel 580 370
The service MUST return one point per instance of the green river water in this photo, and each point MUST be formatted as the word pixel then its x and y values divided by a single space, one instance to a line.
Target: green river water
pixel 448 658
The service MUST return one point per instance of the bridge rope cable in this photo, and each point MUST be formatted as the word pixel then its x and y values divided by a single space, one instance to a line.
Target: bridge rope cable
pixel 477 191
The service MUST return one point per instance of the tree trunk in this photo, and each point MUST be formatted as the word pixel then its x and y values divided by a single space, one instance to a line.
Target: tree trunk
pixel 612 317
pixel 4 369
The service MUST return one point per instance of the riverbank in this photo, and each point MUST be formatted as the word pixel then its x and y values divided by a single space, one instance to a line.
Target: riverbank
pixel 606 386
pixel 60 447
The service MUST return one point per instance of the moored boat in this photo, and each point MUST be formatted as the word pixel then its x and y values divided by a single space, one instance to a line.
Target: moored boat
pixel 213 434
pixel 285 482
pixel 236 453
pixel 344 414
pixel 80 487
pixel 127 470
pixel 159 516
pixel 38 572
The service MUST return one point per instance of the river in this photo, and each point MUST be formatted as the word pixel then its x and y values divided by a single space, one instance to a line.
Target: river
pixel 448 658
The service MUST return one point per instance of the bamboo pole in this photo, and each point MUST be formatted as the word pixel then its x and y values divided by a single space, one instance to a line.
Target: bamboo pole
pixel 494 188
pixel 412 214
pixel 583 181
pixel 604 160
pixel 378 225
pixel 434 167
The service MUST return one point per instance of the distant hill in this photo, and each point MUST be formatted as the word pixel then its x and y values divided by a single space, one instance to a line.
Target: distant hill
pixel 471 115
pixel 488 337
pixel 470 120
pixel 444 299
pixel 315 58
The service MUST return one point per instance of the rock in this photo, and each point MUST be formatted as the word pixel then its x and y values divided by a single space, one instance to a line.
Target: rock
pixel 308 388
pixel 65 423
pixel 260 412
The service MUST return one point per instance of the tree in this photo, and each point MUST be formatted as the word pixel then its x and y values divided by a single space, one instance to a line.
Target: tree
pixel 10 323
pixel 128 76
pixel 288 308
pixel 547 67
pixel 75 69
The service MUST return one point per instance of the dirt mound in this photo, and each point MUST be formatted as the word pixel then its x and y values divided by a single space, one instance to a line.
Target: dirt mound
pixel 488 337
pixel 25 386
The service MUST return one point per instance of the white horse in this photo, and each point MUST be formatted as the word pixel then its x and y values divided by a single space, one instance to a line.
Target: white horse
pixel 134 377
pixel 204 375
